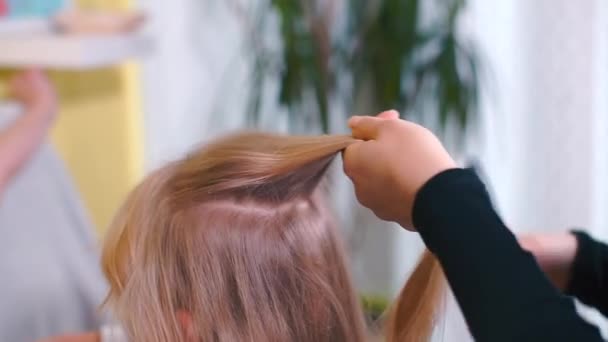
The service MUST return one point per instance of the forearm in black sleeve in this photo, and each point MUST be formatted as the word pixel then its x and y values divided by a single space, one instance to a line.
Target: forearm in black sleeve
pixel 503 294
pixel 588 280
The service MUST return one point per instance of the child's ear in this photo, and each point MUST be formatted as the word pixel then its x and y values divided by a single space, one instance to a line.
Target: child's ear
pixel 185 321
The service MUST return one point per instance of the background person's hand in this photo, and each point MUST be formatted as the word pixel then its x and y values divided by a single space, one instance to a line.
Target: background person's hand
pixel 393 162
pixel 34 91
pixel 554 253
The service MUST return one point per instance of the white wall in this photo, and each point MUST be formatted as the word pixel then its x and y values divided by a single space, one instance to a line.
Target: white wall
pixel 544 114
pixel 194 85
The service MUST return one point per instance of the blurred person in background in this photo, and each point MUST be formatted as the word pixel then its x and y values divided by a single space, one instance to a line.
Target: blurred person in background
pixel 52 282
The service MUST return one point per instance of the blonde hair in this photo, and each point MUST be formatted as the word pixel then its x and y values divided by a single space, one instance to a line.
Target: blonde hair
pixel 238 235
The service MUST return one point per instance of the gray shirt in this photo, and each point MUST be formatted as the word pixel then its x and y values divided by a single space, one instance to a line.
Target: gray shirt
pixel 49 262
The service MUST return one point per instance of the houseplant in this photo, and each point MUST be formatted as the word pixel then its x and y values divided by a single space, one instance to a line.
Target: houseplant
pixel 365 56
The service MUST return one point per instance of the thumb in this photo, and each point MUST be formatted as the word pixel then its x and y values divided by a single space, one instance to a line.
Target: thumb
pixel 365 127
pixel 352 157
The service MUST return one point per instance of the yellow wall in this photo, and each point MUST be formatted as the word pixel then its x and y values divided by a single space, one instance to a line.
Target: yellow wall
pixel 104 4
pixel 99 131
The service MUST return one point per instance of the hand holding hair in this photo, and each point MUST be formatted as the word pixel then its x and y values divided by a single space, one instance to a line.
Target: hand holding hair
pixel 394 160
pixel 500 289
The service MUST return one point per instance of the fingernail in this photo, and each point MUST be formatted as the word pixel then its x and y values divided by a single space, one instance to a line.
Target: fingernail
pixel 353 120
pixel 388 114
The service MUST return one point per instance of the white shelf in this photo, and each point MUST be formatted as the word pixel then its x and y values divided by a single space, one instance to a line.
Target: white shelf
pixel 24 26
pixel 33 42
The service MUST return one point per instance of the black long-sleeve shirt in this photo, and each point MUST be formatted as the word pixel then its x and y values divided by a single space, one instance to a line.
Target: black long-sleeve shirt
pixel 502 292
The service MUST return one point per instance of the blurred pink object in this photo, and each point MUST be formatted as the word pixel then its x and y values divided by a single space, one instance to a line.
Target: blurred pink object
pixel 76 21
pixel 3 8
